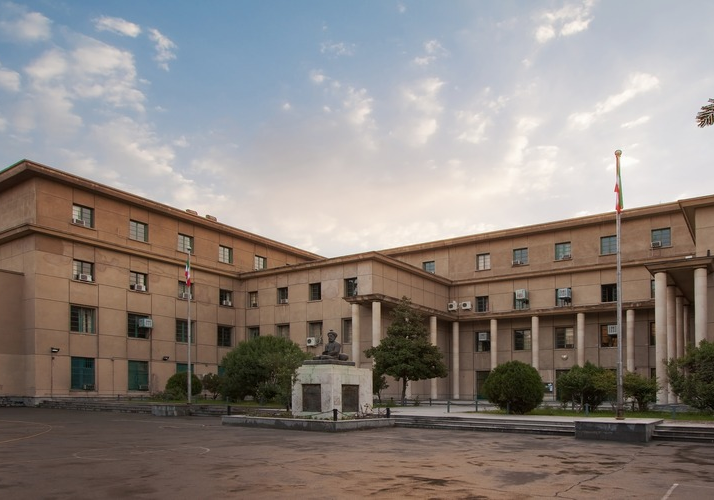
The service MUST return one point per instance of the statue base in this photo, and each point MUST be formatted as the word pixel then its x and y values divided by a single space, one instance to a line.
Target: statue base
pixel 323 385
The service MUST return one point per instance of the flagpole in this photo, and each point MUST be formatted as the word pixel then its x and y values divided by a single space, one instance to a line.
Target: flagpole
pixel 188 283
pixel 620 413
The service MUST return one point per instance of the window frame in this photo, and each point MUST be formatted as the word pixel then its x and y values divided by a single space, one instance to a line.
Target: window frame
pixel 608 292
pixel 561 336
pixel 81 376
pixel 520 256
pixel 663 235
pixel 225 296
pixel 224 336
pixel 611 339
pixel 563 251
pixel 346 334
pixel 82 326
pixel 183 289
pixel 283 330
pixel 252 298
pixel 351 287
pixel 137 278
pixel 260 262
pixel 138 371
pixel 80 267
pixel 134 331
pixel 184 243
pixel 608 245
pixel 429 266
pixel 84 214
pixel 483 262
pixel 252 332
pixel 225 254
pixel 283 295
pixel 482 303
pixel 138 231
pixel 525 341
pixel 314 292
pixel 181 331
pixel 482 345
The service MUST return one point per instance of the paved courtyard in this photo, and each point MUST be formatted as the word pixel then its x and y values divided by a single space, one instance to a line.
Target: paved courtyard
pixel 55 454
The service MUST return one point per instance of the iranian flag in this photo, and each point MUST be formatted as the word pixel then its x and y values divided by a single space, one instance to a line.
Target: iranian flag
pixel 619 205
pixel 188 273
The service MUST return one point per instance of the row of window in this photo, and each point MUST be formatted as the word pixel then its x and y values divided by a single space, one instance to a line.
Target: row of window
pixel 314 331
pixel 83 376
pixel 139 231
pixel 314 292
pixel 608 246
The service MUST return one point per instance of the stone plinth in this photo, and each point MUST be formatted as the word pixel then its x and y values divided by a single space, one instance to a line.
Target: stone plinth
pixel 632 430
pixel 326 385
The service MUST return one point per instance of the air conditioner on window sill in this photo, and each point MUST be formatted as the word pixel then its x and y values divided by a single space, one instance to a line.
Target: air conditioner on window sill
pixel 656 244
pixel 88 387
pixel 283 301
pixel 517 263
pixel 146 323
pixel 311 341
pixel 84 277
pixel 144 387
pixel 521 294
pixel 227 303
pixel 566 256
pixel 483 336
pixel 138 288
pixel 80 222
pixel 185 296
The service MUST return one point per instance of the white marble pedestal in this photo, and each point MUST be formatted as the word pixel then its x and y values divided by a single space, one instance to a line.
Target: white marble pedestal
pixel 326 385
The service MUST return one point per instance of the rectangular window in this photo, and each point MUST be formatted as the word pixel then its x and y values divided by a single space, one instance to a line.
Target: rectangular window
pixel 252 299
pixel 429 266
pixel 483 261
pixel 608 335
pixel 81 319
pixel 260 262
pixel 225 254
pixel 315 291
pixel 224 336
pixel 225 298
pixel 83 216
pixel 82 376
pixel 138 281
pixel 138 231
pixel 185 243
pixel 482 341
pixel 562 251
pixel 563 297
pixel 653 334
pixel 185 292
pixel 139 326
pixel 564 338
pixel 83 271
pixel 482 304
pixel 351 287
pixel 608 293
pixel 283 331
pixel 608 245
pixel 522 340
pixel 138 375
pixel 253 332
pixel 652 289
pixel 183 368
pixel 520 256
pixel 283 295
pixel 314 329
pixel 182 331
pixel 346 330
pixel 661 237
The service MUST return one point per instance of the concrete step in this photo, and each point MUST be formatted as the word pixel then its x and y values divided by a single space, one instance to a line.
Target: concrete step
pixel 689 433
pixel 488 425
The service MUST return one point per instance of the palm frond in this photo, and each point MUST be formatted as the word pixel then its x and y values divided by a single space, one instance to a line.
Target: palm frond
pixel 706 116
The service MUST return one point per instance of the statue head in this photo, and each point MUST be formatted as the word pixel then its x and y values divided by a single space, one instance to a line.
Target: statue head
pixel 331 335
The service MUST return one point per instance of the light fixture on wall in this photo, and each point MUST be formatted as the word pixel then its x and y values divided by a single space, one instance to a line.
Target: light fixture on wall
pixel 165 358
pixel 564 357
pixel 54 350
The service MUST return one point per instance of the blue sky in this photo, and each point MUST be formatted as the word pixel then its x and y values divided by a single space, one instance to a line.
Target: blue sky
pixel 341 127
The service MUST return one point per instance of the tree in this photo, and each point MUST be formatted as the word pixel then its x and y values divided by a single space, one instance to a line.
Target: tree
pixel 692 376
pixel 263 367
pixel 177 385
pixel 705 117
pixel 588 384
pixel 406 352
pixel 514 386
pixel 642 390
pixel 379 383
pixel 212 383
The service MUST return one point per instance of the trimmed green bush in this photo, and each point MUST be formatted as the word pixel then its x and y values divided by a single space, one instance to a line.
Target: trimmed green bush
pixel 515 387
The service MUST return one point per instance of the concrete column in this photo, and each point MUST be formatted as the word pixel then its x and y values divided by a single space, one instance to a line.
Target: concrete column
pixel 376 323
pixel 671 332
pixel 700 305
pixel 535 342
pixel 678 326
pixel 494 344
pixel 686 331
pixel 630 340
pixel 580 340
pixel 432 331
pixel 455 365
pixel 356 354
pixel 661 336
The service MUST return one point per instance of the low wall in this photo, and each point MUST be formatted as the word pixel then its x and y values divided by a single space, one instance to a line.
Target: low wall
pixel 634 430
pixel 306 424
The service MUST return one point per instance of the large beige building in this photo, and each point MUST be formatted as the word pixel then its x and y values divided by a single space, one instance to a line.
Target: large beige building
pixel 95 300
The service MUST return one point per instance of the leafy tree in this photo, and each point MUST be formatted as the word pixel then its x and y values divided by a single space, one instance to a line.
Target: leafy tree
pixel 212 383
pixel 263 367
pixel 692 376
pixel 406 353
pixel 642 390
pixel 589 385
pixel 705 117
pixel 379 383
pixel 514 386
pixel 177 385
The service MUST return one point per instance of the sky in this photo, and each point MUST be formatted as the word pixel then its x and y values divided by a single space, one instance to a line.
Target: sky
pixel 341 127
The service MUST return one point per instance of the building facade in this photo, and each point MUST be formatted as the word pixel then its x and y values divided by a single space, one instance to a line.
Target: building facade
pixel 96 301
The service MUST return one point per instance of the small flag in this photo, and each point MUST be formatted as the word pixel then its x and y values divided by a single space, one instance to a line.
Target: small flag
pixel 188 273
pixel 619 205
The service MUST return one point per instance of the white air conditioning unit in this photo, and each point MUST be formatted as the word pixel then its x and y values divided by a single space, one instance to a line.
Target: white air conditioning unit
pixel 88 387
pixel 227 303
pixel 144 387
pixel 452 306
pixel 184 295
pixel 656 244
pixel 311 341
pixel 81 222
pixel 612 330
pixel 283 301
pixel 146 323
pixel 84 277
pixel 566 256
pixel 565 293
pixel 517 263
pixel 521 294
pixel 138 288
pixel 484 336
pixel 466 305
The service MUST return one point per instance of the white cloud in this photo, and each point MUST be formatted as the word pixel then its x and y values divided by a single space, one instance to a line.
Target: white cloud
pixel 473 126
pixel 164 48
pixel 18 24
pixel 634 123
pixel 9 80
pixel 422 108
pixel 432 51
pixel 568 20
pixel 117 25
pixel 337 48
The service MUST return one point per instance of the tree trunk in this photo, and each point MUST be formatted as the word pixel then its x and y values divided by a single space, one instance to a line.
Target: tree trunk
pixel 404 391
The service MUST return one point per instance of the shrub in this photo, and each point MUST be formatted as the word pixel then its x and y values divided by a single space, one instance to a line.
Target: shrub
pixel 642 390
pixel 589 385
pixel 515 387
pixel 692 376
pixel 177 386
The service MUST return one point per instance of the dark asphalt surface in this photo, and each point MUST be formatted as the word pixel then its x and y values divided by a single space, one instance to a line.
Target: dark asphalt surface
pixel 57 454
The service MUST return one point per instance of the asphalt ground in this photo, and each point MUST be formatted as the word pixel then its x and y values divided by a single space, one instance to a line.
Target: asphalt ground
pixel 57 454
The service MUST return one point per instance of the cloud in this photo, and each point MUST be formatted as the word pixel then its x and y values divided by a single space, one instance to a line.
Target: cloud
pixel 432 51
pixel 634 123
pixel 636 84
pixel 566 21
pixel 117 25
pixel 18 24
pixel 337 49
pixel 9 80
pixel 164 48
pixel 422 108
